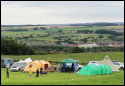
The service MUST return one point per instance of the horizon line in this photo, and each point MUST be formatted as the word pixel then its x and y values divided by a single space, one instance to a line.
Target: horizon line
pixel 64 23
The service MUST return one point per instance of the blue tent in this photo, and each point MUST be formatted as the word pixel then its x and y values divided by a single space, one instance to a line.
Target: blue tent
pixel 68 68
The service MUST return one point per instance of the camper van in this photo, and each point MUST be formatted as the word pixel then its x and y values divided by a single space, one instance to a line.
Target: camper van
pixel 6 62
pixel 18 66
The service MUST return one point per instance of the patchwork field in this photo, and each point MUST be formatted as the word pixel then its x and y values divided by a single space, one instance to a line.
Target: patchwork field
pixel 33 37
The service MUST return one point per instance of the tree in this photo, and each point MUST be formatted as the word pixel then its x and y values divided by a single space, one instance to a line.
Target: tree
pixel 12 47
pixel 100 36
pixel 85 40
pixel 77 50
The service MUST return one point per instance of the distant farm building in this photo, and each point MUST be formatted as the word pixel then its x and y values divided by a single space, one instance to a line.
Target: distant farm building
pixel 88 45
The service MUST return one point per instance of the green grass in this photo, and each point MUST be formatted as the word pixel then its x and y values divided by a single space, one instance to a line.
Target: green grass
pixel 56 78
pixel 82 57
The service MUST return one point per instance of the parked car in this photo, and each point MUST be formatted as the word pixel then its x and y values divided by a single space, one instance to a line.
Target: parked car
pixel 114 61
pixel 92 62
pixel 6 62
pixel 18 66
pixel 79 67
pixel 119 65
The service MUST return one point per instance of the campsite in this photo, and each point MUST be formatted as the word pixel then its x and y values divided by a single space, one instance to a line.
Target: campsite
pixel 62 43
pixel 66 78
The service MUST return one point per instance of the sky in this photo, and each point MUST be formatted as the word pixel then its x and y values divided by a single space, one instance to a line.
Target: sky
pixel 61 12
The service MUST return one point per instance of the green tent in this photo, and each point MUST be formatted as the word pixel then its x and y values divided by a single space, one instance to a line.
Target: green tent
pixel 92 69
pixel 74 66
pixel 68 61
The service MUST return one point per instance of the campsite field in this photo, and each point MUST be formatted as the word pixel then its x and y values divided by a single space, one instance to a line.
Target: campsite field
pixel 82 57
pixel 56 78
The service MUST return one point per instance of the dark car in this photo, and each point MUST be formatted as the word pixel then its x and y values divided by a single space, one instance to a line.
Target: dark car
pixel 6 62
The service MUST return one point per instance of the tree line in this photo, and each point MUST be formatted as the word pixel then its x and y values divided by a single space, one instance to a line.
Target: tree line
pixel 12 47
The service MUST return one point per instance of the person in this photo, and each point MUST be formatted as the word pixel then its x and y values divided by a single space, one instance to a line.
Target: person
pixel 41 71
pixel 37 73
pixel 7 72
pixel 30 72
pixel 59 67
pixel 54 68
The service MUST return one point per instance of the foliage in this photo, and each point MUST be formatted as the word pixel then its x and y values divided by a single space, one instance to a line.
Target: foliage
pixel 108 32
pixel 11 47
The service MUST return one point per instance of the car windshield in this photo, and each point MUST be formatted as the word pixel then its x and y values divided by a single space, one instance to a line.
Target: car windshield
pixel 121 63
pixel 92 62
pixel 116 63
pixel 15 64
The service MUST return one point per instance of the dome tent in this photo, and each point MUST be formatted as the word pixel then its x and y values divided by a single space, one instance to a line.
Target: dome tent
pixel 45 65
pixel 37 64
pixel 28 60
pixel 93 69
pixel 33 66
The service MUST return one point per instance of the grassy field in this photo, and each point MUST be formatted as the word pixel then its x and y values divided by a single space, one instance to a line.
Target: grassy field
pixel 82 57
pixel 56 78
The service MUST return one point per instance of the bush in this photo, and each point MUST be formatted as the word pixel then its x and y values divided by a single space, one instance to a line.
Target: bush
pixel 11 47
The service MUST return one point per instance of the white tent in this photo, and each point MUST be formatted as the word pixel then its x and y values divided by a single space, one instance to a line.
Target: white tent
pixel 28 60
pixel 108 62
pixel 21 61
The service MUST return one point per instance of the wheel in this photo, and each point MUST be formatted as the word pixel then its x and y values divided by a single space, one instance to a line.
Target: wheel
pixel 79 69
pixel 121 68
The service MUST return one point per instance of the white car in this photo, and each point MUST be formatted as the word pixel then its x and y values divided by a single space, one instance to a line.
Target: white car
pixel 79 67
pixel 16 66
pixel 92 62
pixel 119 65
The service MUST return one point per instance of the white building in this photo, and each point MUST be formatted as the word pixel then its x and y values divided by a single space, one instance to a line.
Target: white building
pixel 88 45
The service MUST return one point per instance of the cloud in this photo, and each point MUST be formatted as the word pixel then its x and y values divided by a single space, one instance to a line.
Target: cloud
pixel 46 12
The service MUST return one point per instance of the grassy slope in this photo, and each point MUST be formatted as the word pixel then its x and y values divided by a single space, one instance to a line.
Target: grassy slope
pixel 82 57
pixel 20 78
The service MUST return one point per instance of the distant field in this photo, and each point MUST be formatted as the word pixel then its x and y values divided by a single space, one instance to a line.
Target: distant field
pixel 108 27
pixel 82 57
pixel 35 36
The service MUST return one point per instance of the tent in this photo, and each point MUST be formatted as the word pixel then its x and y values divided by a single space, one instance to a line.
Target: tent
pixel 107 61
pixel 33 66
pixel 20 61
pixel 45 65
pixel 37 64
pixel 93 69
pixel 68 61
pixel 68 65
pixel 28 60
pixel 24 63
